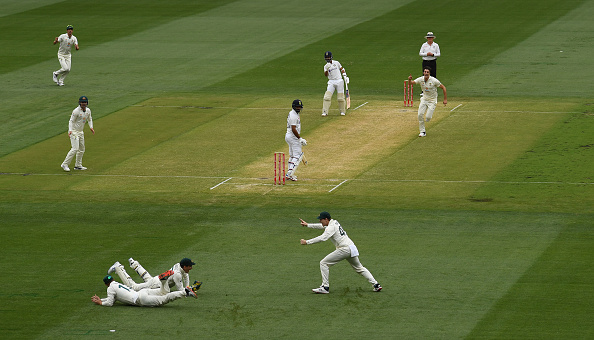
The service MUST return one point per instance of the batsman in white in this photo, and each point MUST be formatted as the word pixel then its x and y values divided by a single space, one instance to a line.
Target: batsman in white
pixel 334 71
pixel 66 40
pixel 293 138
pixel 429 86
pixel 178 276
pixel 144 298
pixel 80 116
pixel 345 250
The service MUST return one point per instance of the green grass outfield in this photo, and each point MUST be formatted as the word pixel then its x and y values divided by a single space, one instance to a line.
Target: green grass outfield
pixel 483 229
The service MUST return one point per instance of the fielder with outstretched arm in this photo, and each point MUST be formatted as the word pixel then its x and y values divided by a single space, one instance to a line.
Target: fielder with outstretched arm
pixel 345 250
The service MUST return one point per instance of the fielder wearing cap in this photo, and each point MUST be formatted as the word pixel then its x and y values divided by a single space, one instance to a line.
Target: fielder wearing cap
pixel 76 125
pixel 345 250
pixel 177 277
pixel 66 40
pixel 429 52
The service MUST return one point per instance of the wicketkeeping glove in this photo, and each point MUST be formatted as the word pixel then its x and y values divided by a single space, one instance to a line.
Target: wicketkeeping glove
pixel 195 286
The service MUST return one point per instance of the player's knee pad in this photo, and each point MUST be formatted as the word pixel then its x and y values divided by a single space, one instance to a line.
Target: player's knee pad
pixel 327 96
pixel 340 97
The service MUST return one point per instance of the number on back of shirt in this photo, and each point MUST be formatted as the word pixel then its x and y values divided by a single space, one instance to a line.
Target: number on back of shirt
pixel 341 231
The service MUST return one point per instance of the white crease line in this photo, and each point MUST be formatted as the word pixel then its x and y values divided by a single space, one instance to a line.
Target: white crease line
pixel 221 183
pixel 341 183
pixel 452 110
pixel 281 108
pixel 360 106
pixel 310 179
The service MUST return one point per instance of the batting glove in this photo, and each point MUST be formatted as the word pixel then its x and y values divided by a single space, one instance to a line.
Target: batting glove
pixel 302 141
pixel 346 79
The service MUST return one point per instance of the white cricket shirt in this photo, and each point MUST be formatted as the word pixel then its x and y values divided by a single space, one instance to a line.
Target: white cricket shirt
pixel 78 120
pixel 429 87
pixel 333 231
pixel 293 119
pixel 333 70
pixel 119 292
pixel 66 43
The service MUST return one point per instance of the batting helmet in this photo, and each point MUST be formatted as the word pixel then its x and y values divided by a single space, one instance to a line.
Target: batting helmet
pixel 83 99
pixel 297 104
pixel 328 56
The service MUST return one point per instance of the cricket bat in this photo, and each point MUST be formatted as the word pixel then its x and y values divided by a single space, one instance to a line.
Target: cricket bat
pixel 348 96
pixel 303 160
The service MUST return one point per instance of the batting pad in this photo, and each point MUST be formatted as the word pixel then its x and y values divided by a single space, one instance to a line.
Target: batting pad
pixel 341 102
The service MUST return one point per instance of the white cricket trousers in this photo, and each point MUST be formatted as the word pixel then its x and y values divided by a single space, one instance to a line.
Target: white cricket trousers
pixel 77 141
pixel 154 298
pixel 335 85
pixel 65 63
pixel 338 255
pixel 426 108
pixel 150 282
pixel 295 152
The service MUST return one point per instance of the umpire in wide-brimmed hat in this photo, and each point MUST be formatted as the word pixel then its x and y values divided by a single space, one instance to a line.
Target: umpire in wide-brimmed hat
pixel 429 52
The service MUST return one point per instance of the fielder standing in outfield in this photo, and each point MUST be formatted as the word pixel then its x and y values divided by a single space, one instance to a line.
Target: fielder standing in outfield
pixel 66 40
pixel 429 86
pixel 334 71
pixel 293 138
pixel 429 52
pixel 80 116
pixel 178 276
pixel 345 250
pixel 145 298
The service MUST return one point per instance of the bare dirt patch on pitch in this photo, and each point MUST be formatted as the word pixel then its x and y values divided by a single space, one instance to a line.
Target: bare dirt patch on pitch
pixel 345 146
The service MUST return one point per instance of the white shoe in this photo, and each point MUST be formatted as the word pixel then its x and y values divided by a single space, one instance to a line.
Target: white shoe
pixel 377 287
pixel 131 261
pixel 324 114
pixel 60 83
pixel 55 77
pixel 80 168
pixel 321 290
pixel 422 134
pixel 291 178
pixel 65 167
pixel 342 114
pixel 112 268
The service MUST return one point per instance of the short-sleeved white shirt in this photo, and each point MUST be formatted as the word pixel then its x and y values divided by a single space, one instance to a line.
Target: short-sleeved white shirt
pixel 66 43
pixel 334 70
pixel 293 119
pixel 429 87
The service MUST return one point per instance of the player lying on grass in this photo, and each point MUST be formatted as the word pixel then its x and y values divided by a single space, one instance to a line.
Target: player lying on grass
pixel 178 276
pixel 144 298
pixel 345 250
